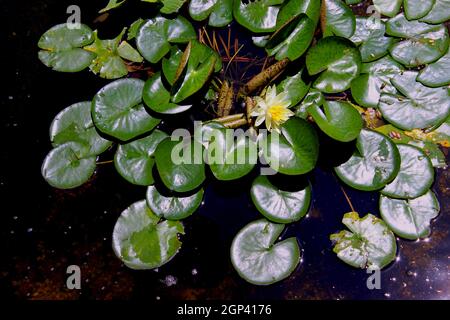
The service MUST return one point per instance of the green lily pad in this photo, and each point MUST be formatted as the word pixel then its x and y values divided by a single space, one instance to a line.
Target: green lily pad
pixel 180 164
pixel 369 37
pixel 314 97
pixel 220 13
pixel 388 7
pixel 117 110
pixel 134 160
pixel 62 48
pixel 171 6
pixel 423 43
pixel 338 19
pixel 292 8
pixel 436 74
pixel 374 164
pixel 368 244
pixel 338 62
pixel 439 13
pixel 416 9
pixel 157 97
pixel 230 158
pixel 108 62
pixel 142 240
pixel 410 219
pixel 134 29
pixel 375 78
pixel 127 52
pixel 433 152
pixel 258 16
pixel 173 207
pixel 417 106
pixel 415 177
pixel 68 166
pixel 74 124
pixel 170 65
pixel 257 257
pixel 203 134
pixel 293 39
pixel 338 119
pixel 295 151
pixel 155 36
pixel 295 87
pixel 277 205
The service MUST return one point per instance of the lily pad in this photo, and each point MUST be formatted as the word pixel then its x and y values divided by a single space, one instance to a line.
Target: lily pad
pixel 416 9
pixel 369 37
pixel 231 158
pixel 258 16
pixel 220 13
pixel 173 207
pixel 293 39
pixel 68 166
pixel 203 134
pixel 410 219
pixel 155 36
pixel 417 106
pixel 277 205
pixel 180 164
pixel 388 7
pixel 171 6
pixel 142 240
pixel 292 8
pixel 134 160
pixel 157 97
pixel 258 258
pixel 295 151
pixel 338 119
pixel 337 61
pixel 62 48
pixel 375 78
pixel 423 43
pixel 368 244
pixel 127 52
pixel 295 87
pixel 170 64
pixel 415 177
pixel 337 19
pixel 314 97
pixel 436 74
pixel 117 110
pixel 74 124
pixel 439 13
pixel 374 164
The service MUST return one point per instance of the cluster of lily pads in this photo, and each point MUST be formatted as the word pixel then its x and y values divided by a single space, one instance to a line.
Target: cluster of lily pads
pixel 382 82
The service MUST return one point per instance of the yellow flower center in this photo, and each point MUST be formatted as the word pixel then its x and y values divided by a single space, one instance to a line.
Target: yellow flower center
pixel 278 113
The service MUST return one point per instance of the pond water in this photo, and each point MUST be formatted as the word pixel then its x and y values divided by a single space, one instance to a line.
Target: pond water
pixel 44 230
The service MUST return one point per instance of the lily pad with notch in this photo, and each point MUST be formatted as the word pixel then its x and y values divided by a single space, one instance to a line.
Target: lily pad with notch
pixel 439 13
pixel 337 19
pixel 218 12
pixel 292 8
pixel 436 74
pixel 388 7
pixel 416 9
pixel 258 16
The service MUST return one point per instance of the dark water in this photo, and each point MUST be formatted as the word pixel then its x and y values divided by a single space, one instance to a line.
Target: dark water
pixel 44 230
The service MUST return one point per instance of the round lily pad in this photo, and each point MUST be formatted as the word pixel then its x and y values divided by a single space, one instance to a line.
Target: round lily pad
pixel 180 164
pixel 258 258
pixel 368 244
pixel 75 124
pixel 257 16
pixel 134 160
pixel 388 7
pixel 62 48
pixel 157 97
pixel 440 12
pixel 338 19
pixel 410 219
pixel 375 78
pixel 436 74
pixel 375 162
pixel 117 110
pixel 68 166
pixel 415 177
pixel 338 62
pixel 416 9
pixel 293 8
pixel 295 151
pixel 338 119
pixel 277 205
pixel 220 12
pixel 173 207
pixel 417 106
pixel 142 240
pixel 423 43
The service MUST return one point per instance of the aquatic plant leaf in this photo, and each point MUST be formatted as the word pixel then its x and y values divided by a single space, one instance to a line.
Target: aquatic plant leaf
pixel 127 52
pixel 173 207
pixel 436 74
pixel 112 4
pixel 293 8
pixel 337 61
pixel 117 110
pixel 220 13
pixel 142 240
pixel 134 29
pixel 439 13
pixel 374 164
pixel 368 244
pixel 295 87
pixel 337 19
pixel 410 219
pixel 314 97
pixel 388 7
pixel 134 160
pixel 258 16
pixel 258 258
pixel 415 177
pixel 171 6
pixel 170 64
pixel 416 9
pixel 277 205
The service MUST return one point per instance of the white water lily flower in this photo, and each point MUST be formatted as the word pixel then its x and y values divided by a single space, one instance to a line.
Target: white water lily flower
pixel 273 109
